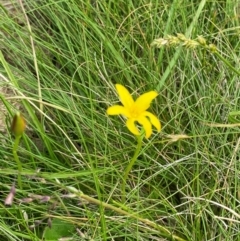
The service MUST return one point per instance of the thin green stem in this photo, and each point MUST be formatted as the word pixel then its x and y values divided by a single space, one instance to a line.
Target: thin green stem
pixel 129 167
pixel 16 158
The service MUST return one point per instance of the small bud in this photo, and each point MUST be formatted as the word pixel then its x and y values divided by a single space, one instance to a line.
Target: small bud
pixel 9 199
pixel 18 124
pixel 191 44
pixel 212 48
pixel 201 40
pixel 26 200
pixel 173 40
pixel 159 42
pixel 44 199
pixel 181 36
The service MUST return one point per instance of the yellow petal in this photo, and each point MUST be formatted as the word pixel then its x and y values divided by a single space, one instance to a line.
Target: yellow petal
pixel 143 101
pixel 132 127
pixel 118 110
pixel 154 120
pixel 124 96
pixel 147 126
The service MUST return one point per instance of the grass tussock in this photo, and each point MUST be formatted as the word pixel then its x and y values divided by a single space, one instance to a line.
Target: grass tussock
pixel 60 61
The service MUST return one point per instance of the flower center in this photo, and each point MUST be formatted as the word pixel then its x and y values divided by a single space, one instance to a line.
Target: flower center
pixel 134 112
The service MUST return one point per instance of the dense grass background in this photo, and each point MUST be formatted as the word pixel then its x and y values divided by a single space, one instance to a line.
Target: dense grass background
pixel 64 82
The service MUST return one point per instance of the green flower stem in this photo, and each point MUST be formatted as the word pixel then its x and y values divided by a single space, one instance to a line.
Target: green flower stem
pixel 164 231
pixel 129 167
pixel 16 158
pixel 226 62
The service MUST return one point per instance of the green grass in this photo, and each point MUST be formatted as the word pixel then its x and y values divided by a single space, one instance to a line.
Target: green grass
pixel 73 155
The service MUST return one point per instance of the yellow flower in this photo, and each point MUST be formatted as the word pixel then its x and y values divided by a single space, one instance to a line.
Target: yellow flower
pixel 18 124
pixel 135 111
